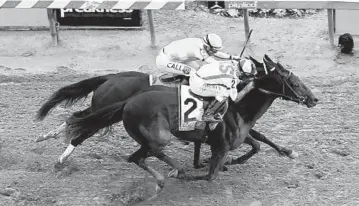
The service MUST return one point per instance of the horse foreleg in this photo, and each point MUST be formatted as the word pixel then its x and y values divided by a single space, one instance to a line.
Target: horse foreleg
pixel 281 150
pixel 196 159
pixel 53 133
pixel 241 160
pixel 217 160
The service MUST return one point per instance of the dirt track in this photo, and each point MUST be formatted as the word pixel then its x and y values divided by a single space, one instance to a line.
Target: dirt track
pixel 326 136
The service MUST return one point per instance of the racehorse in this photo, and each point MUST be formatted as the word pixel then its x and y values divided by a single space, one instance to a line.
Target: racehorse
pixel 112 88
pixel 152 116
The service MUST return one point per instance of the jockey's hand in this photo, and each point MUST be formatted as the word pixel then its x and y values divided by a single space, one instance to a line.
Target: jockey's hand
pixel 252 84
pixel 247 81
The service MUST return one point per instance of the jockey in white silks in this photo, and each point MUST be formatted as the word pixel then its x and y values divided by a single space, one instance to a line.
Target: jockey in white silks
pixel 219 80
pixel 182 57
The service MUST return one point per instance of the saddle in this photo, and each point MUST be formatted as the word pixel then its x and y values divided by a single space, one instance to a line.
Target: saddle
pixel 172 79
pixel 203 99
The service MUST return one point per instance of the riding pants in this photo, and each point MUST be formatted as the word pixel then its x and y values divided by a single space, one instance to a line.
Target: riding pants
pixel 166 65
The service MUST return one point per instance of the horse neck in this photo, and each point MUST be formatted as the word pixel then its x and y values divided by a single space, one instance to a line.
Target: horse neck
pixel 265 106
pixel 254 105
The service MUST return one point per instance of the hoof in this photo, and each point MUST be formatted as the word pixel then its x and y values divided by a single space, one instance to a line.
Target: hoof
pixel 293 155
pixel 173 173
pixel 159 186
pixel 177 174
pixel 206 160
pixel 58 166
pixel 224 169
pixel 199 166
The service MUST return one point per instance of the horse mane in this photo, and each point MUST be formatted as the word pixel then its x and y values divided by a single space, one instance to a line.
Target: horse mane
pixel 251 104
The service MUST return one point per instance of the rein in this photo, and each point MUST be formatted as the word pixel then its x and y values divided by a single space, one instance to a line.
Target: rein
pixel 299 99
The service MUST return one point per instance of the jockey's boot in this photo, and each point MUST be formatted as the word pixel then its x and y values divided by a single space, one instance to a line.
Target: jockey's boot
pixel 212 114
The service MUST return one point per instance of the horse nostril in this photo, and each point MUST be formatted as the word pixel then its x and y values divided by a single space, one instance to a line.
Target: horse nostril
pixel 316 100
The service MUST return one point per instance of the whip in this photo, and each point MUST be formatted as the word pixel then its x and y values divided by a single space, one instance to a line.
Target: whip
pixel 244 47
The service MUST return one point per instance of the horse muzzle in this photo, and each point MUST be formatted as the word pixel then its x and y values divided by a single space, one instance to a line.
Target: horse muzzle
pixel 309 102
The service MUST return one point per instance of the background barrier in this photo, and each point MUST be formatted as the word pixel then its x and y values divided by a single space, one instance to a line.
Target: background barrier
pixel 134 21
pixel 53 7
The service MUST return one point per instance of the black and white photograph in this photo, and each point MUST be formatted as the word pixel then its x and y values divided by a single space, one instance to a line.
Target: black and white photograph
pixel 179 102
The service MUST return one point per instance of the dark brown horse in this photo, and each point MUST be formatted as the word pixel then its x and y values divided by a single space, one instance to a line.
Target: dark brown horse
pixel 152 116
pixel 112 88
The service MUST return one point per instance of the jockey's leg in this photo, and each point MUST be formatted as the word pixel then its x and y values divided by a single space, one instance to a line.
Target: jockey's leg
pixel 212 113
pixel 166 65
pixel 199 87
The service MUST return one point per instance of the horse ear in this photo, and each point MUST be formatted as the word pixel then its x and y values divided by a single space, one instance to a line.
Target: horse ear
pixel 267 58
pixel 257 63
pixel 265 65
pixel 269 65
pixel 279 65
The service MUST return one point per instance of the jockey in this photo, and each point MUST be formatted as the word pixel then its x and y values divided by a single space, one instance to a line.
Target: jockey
pixel 220 79
pixel 182 56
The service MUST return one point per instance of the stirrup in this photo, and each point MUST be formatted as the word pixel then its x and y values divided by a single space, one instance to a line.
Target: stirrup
pixel 212 118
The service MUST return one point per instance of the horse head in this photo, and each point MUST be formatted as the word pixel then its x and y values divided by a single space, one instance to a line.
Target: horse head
pixel 274 79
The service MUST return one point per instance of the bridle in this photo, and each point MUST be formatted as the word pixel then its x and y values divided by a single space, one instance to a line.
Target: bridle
pixel 298 99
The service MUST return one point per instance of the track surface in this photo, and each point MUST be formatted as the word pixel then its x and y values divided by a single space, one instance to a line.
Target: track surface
pixel 326 136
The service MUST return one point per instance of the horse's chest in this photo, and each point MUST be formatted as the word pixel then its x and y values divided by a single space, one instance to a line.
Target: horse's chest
pixel 236 141
pixel 238 136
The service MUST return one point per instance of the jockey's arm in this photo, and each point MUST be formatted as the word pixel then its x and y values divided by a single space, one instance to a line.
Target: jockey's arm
pixel 209 60
pixel 223 55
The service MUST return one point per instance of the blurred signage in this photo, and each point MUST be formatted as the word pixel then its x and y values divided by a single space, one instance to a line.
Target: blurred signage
pixel 240 4
pixel 99 17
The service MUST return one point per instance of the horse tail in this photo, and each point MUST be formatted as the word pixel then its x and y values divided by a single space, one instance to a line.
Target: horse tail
pixel 92 123
pixel 71 94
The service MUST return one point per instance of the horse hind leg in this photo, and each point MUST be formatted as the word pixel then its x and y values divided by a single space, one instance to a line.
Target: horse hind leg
pixel 178 171
pixel 158 136
pixel 64 156
pixel 52 134
pixel 56 132
pixel 71 147
pixel 139 158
